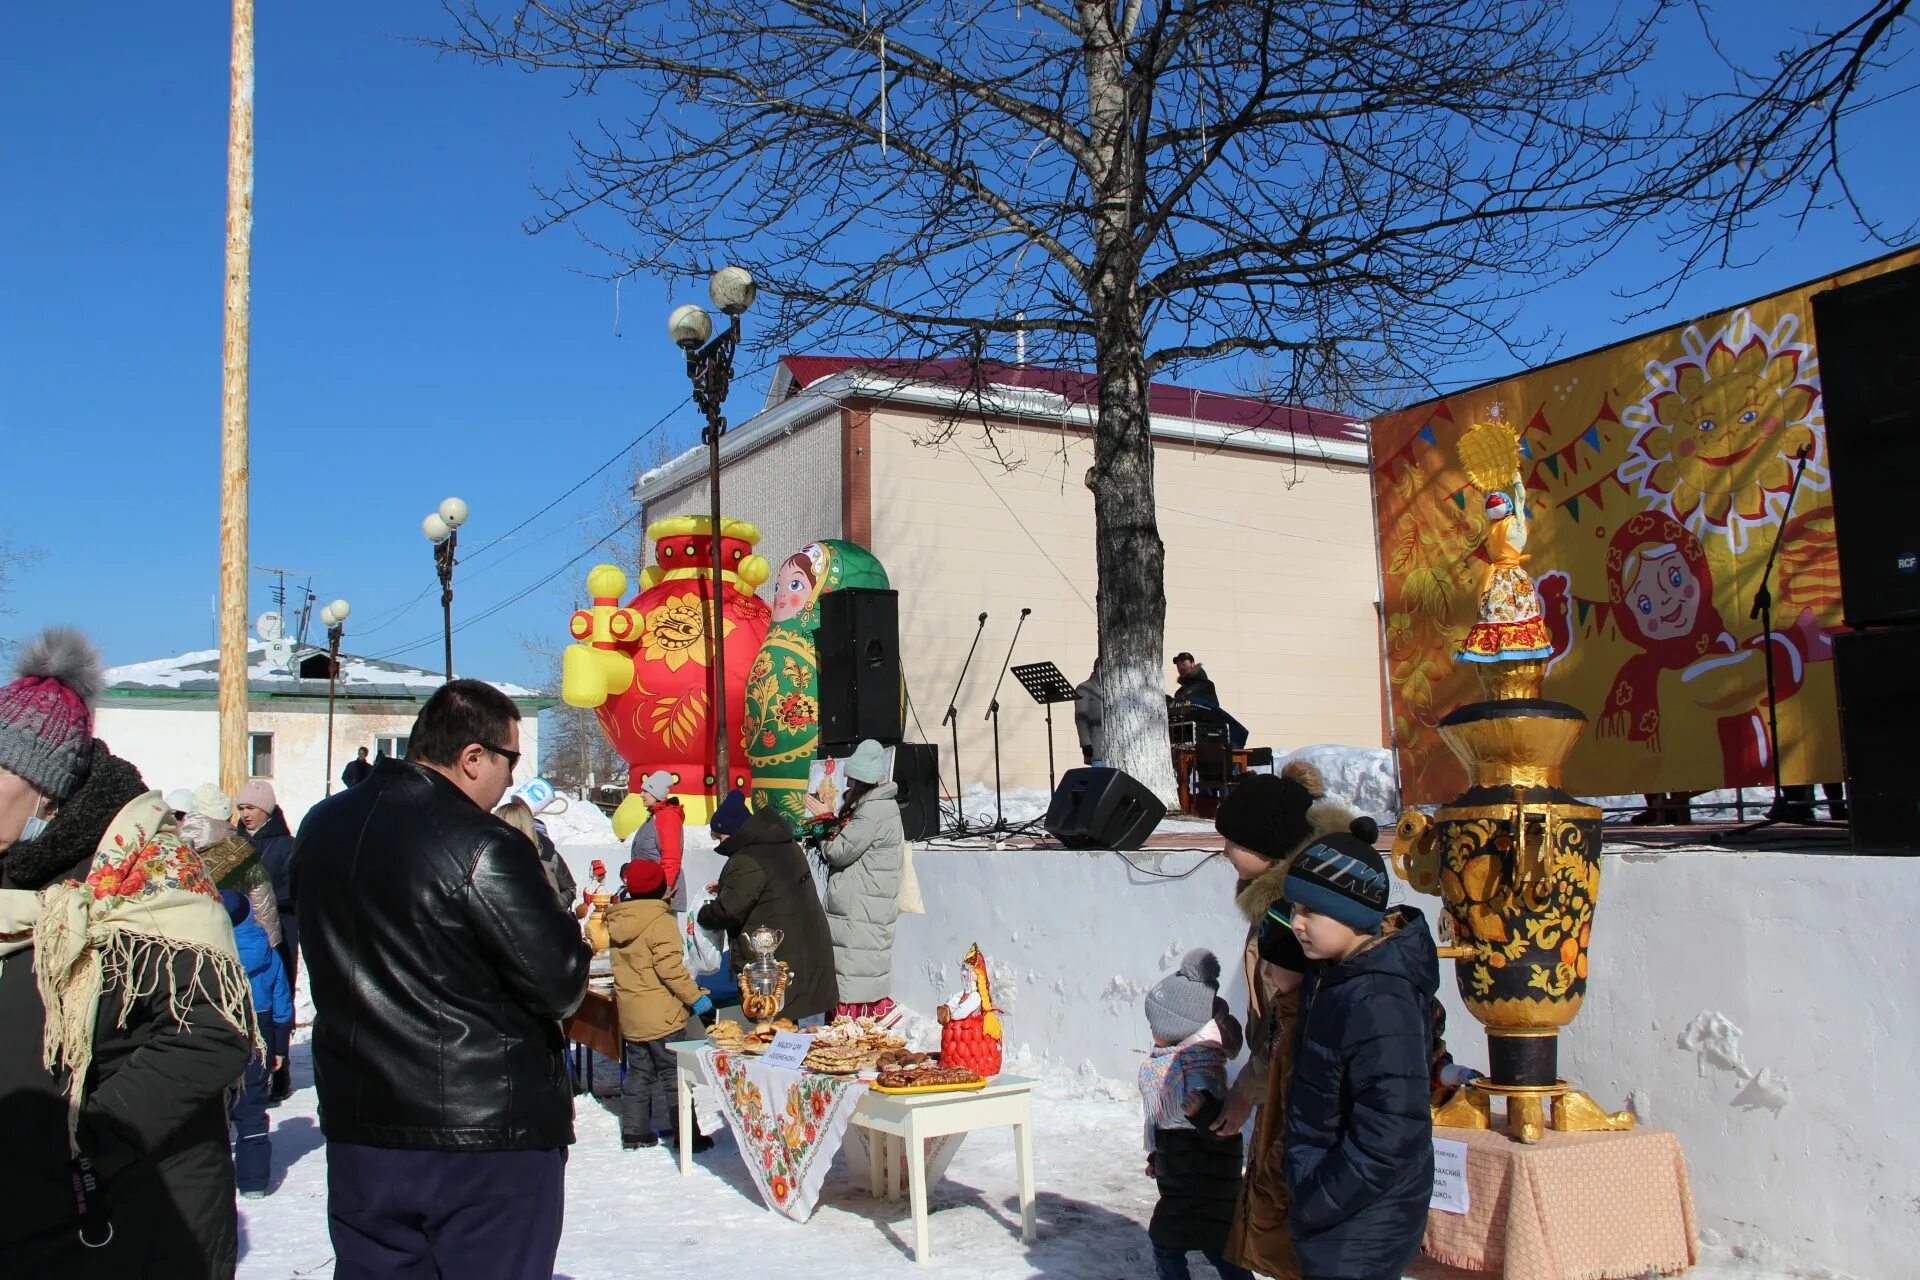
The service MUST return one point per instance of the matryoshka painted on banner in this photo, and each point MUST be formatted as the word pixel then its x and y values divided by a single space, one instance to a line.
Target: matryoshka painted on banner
pixel 783 684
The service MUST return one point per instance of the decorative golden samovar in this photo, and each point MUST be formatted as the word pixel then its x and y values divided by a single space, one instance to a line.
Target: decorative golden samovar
pixel 1515 858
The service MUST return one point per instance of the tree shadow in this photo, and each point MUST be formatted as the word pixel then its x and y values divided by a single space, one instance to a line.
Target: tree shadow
pixel 1072 1238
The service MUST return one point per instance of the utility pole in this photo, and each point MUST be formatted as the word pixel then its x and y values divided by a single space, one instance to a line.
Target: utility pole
pixel 233 408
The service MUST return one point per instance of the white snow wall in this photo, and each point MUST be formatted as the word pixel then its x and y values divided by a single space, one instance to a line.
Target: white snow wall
pixel 1756 1004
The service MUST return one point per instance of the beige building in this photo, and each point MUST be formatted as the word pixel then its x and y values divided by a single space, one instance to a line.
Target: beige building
pixel 164 717
pixel 973 498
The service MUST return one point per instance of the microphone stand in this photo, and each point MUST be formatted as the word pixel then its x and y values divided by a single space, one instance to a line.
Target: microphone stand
pixel 1762 610
pixel 993 714
pixel 952 721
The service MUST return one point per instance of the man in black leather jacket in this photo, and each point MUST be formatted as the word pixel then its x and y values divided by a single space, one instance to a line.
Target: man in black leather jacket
pixel 441 967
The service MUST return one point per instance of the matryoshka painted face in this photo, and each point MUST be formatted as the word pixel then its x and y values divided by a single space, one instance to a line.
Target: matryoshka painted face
pixel 792 587
pixel 1664 595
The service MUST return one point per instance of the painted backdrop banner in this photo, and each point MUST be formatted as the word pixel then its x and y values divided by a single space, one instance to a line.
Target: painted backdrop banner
pixel 1656 475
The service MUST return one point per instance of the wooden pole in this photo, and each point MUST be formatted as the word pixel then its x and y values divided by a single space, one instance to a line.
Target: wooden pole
pixel 233 410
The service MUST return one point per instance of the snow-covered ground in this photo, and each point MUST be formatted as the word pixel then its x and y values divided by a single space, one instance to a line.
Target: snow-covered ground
pixel 631 1214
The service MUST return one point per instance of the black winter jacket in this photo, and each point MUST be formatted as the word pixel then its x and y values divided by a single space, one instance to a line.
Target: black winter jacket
pixel 154 1121
pixel 274 843
pixel 1359 1135
pixel 766 881
pixel 441 967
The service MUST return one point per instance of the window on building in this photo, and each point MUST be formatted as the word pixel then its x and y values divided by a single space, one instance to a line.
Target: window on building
pixel 260 754
pixel 393 746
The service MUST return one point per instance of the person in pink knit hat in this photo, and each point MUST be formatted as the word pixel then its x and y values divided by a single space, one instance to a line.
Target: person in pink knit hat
pixel 125 1012
pixel 257 810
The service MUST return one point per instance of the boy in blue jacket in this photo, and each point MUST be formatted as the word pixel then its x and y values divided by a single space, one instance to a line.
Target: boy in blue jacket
pixel 1359 1148
pixel 273 1006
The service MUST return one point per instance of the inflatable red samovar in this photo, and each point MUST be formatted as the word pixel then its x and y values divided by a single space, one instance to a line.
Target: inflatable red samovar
pixel 642 667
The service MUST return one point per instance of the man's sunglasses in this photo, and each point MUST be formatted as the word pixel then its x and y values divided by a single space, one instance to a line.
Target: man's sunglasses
pixel 511 757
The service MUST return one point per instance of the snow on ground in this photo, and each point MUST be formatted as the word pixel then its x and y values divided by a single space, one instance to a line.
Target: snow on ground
pixel 630 1213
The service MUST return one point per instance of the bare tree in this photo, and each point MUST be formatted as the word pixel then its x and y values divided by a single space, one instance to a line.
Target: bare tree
pixel 1779 133
pixel 1352 191
pixel 13 559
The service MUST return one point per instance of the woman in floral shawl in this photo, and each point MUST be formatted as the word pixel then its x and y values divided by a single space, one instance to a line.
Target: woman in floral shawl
pixel 124 1010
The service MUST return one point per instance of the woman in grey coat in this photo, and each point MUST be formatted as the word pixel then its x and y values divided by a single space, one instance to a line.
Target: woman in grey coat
pixel 863 858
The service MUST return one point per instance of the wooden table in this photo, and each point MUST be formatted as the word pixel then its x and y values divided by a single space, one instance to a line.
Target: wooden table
pixel 595 1028
pixel 897 1122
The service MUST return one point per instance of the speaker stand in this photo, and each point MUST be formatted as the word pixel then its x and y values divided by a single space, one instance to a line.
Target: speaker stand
pixel 993 713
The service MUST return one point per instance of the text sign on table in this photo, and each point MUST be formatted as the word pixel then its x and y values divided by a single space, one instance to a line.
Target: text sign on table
pixel 789 1050
pixel 1449 1176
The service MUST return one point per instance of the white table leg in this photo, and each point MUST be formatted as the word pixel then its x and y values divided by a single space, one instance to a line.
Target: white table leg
pixel 876 1162
pixel 917 1189
pixel 891 1155
pixel 686 1122
pixel 1023 1150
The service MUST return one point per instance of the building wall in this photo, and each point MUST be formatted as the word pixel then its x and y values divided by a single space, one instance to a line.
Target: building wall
pixel 1270 582
pixel 176 743
pixel 790 487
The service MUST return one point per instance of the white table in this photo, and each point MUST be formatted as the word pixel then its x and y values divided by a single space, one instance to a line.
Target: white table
pixel 904 1122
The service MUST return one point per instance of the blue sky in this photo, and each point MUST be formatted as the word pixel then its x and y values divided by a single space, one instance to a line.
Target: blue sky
pixel 410 341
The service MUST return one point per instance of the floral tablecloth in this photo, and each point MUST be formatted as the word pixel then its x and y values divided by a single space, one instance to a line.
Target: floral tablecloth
pixel 789 1124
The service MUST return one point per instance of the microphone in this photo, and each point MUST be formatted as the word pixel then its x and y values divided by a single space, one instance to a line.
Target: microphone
pixel 1025 612
pixel 983 615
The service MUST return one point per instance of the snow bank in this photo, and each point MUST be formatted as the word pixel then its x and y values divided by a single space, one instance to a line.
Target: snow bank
pixel 1363 775
pixel 579 823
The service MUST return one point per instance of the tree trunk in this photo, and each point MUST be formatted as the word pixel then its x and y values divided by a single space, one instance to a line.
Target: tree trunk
pixel 1131 560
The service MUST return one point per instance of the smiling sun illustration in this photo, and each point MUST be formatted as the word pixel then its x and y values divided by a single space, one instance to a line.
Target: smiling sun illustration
pixel 1716 435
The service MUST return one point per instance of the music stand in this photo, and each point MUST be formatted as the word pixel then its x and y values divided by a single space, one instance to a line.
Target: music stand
pixel 1047 686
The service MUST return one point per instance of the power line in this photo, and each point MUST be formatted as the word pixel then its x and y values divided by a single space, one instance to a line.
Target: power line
pixel 516 597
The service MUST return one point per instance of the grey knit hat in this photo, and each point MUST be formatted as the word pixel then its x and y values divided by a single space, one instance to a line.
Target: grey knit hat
pixel 46 721
pixel 868 763
pixel 1182 1002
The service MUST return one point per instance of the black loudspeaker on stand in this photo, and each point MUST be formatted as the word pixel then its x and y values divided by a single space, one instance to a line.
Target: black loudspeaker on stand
pixel 1102 809
pixel 860 688
pixel 1870 393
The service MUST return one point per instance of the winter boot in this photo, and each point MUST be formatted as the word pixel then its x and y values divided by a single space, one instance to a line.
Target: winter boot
pixel 635 1141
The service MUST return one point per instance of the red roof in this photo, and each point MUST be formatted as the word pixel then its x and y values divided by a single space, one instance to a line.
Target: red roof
pixel 1079 387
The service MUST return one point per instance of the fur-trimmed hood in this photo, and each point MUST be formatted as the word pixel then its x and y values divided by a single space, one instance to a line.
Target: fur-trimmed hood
pixel 1325 816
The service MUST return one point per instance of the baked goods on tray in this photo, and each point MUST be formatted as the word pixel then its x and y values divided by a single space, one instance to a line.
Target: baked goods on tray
pixel 925 1077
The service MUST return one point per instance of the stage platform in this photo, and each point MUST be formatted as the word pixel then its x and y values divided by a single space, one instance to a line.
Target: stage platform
pixel 1186 834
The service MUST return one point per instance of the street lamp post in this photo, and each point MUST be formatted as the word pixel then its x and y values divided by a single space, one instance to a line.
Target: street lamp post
pixel 334 619
pixel 710 369
pixel 442 528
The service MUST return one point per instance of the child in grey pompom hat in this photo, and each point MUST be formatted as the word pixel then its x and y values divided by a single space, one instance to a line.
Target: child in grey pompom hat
pixel 1182 1085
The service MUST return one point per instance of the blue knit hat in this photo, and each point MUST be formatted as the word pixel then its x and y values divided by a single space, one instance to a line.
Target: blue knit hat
pixel 730 816
pixel 1342 876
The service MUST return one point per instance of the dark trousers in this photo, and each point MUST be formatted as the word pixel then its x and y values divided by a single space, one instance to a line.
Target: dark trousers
pixel 289 950
pixel 1171 1264
pixel 650 1095
pixel 252 1148
pixel 420 1215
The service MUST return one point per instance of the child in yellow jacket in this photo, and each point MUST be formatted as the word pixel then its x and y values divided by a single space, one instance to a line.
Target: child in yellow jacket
pixel 657 1002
